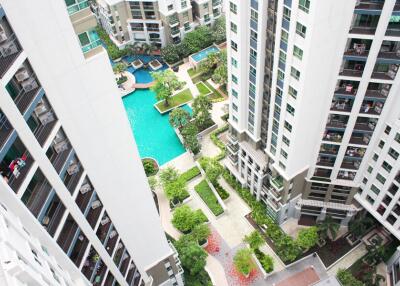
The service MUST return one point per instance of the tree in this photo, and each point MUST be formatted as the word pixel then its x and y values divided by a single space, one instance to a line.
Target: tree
pixel 328 228
pixel 347 279
pixel 216 64
pixel 307 237
pixel 170 53
pixel 219 30
pixel 201 111
pixel 213 169
pixel 119 68
pixel 176 190
pixel 190 141
pixel 153 183
pixel 184 219
pixel 198 39
pixel 168 175
pixel 149 168
pixel 192 256
pixel 372 278
pixel 375 252
pixel 166 82
pixel 179 117
pixel 359 227
pixel 287 248
pixel 243 261
pixel 201 232
pixel 254 239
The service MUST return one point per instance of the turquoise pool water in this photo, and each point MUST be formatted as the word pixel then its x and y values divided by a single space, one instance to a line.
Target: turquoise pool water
pixel 204 53
pixel 154 136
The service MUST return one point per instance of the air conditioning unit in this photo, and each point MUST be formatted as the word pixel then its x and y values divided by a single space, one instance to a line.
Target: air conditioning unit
pixel 113 233
pixel 384 92
pixel 22 74
pixel 85 188
pixel 3 36
pixel 120 245
pixel 29 84
pixel 105 220
pixel 46 118
pixel 73 169
pixel 61 146
pixel 131 266
pixel 40 108
pixel 96 204
pixel 8 49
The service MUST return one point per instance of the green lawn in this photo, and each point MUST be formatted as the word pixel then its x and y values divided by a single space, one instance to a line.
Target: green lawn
pixel 203 89
pixel 181 98
pixel 193 72
pixel 215 93
pixel 209 198
pixel 190 174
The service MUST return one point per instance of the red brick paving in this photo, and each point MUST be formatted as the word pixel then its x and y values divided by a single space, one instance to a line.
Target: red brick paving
pixel 304 278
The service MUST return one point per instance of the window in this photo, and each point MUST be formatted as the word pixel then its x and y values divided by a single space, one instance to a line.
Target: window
pixel 288 126
pixel 365 181
pixel 397 137
pixel 205 5
pixel 370 169
pixel 387 129
pixel 393 153
pixel 282 56
pixel 284 36
pixel 273 150
pixel 251 118
pixel 253 35
pixel 375 190
pixel 282 165
pixel 292 92
pixel 170 7
pixel 234 107
pixel 381 179
pixel 285 140
pixel 294 73
pixel 234 118
pixel 233 27
pixel 234 79
pixel 286 13
pixel 281 75
pixel 386 166
pixel 234 62
pixel 284 154
pixel 253 71
pixel 381 144
pixel 253 15
pixel 234 93
pixel 233 46
pixel 375 157
pixel 233 7
pixel 290 109
pixel 253 53
pixel 304 5
pixel 297 52
pixel 183 4
pixel 301 29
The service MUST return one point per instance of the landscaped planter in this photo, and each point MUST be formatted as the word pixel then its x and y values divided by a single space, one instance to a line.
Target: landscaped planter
pixel 180 137
pixel 207 131
pixel 155 165
pixel 263 272
pixel 351 239
pixel 205 244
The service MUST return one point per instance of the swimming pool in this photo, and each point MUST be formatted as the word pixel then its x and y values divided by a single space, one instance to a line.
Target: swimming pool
pixel 153 134
pixel 142 74
pixel 204 53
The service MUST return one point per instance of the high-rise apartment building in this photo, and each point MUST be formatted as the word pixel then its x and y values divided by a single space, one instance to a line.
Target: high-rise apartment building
pixel 154 21
pixel 314 111
pixel 75 203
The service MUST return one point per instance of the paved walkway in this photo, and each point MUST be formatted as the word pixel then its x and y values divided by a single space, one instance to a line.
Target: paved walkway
pixel 182 163
pixel 128 86
pixel 351 257
pixel 184 76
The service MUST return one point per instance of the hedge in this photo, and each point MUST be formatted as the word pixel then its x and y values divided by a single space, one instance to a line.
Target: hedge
pixel 221 191
pixel 218 142
pixel 190 174
pixel 266 261
pixel 209 198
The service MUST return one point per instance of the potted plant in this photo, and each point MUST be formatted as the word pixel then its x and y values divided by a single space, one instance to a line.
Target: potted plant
pixel 243 262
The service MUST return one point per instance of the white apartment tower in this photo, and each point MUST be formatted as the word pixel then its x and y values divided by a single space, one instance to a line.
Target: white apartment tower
pixel 314 111
pixel 75 203
pixel 154 21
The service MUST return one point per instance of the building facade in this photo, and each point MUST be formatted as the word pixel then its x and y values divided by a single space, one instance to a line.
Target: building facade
pixel 313 89
pixel 154 21
pixel 76 205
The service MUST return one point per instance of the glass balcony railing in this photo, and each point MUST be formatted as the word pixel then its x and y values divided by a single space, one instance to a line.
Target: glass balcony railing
pixel 89 41
pixel 77 6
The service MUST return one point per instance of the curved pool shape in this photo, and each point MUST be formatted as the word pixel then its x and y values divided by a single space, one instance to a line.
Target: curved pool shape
pixel 204 53
pixel 153 134
pixel 142 74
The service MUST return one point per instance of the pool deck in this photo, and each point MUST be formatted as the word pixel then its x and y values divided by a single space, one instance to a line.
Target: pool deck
pixel 128 86
pixel 143 85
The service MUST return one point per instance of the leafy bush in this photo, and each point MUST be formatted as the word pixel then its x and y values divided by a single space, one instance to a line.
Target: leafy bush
pixel 218 142
pixel 208 197
pixel 347 279
pixel 185 219
pixel 190 141
pixel 170 53
pixel 200 233
pixel 254 239
pixel 308 237
pixel 149 167
pixel 201 111
pixel 192 256
pixel 243 261
pixel 121 80
pixel 190 174
pixel 266 261
pixel 169 174
pixel 176 191
pixel 113 51
pixel 221 191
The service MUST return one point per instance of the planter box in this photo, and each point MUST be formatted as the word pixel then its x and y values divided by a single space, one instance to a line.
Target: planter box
pixel 263 272
pixel 204 245
pixel 178 133
pixel 207 131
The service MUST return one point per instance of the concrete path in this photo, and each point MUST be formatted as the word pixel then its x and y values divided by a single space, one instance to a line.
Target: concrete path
pixel 216 271
pixel 184 76
pixel 182 163
pixel 347 261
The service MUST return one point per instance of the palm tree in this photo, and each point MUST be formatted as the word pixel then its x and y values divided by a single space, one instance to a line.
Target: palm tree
pixel 360 226
pixel 372 278
pixel 328 228
pixel 146 48
pixel 119 68
pixel 375 252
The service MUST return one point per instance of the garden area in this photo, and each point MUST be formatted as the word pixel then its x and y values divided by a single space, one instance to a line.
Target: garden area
pixel 209 198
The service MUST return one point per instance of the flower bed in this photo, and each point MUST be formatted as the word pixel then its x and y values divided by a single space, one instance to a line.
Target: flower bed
pixel 177 100
pixel 209 198
pixel 190 174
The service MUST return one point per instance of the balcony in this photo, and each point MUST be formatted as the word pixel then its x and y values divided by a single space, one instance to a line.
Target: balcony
pixel 94 212
pixel 89 41
pixel 118 254
pixel 377 90
pixel 52 218
pixel 233 159
pixel 173 21
pixel 329 149
pixel 233 148
pixel 346 175
pixel 390 51
pixel 80 5
pixel 333 136
pixel 109 280
pixel 73 175
pixel 99 273
pixel 357 49
pixel 124 264
pixel 90 263
pixel 131 272
pixel 326 161
pixel 276 206
pixel 7 132
pixel 346 88
pixel 37 194
pixel 175 32
pixel 68 234
pixel 352 68
pixel 385 71
pixel 322 174
pixel 368 7
pixel 351 163
pixel 364 24
pixel 104 228
pixel 79 249
pixel 372 107
pixel 337 121
pixel 275 195
pixel 112 241
pixel 365 124
pixel 276 182
pixel 10 48
pixel 360 138
pixel 355 152
pixel 60 152
pixel 84 196
pixel 393 28
pixel 341 104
